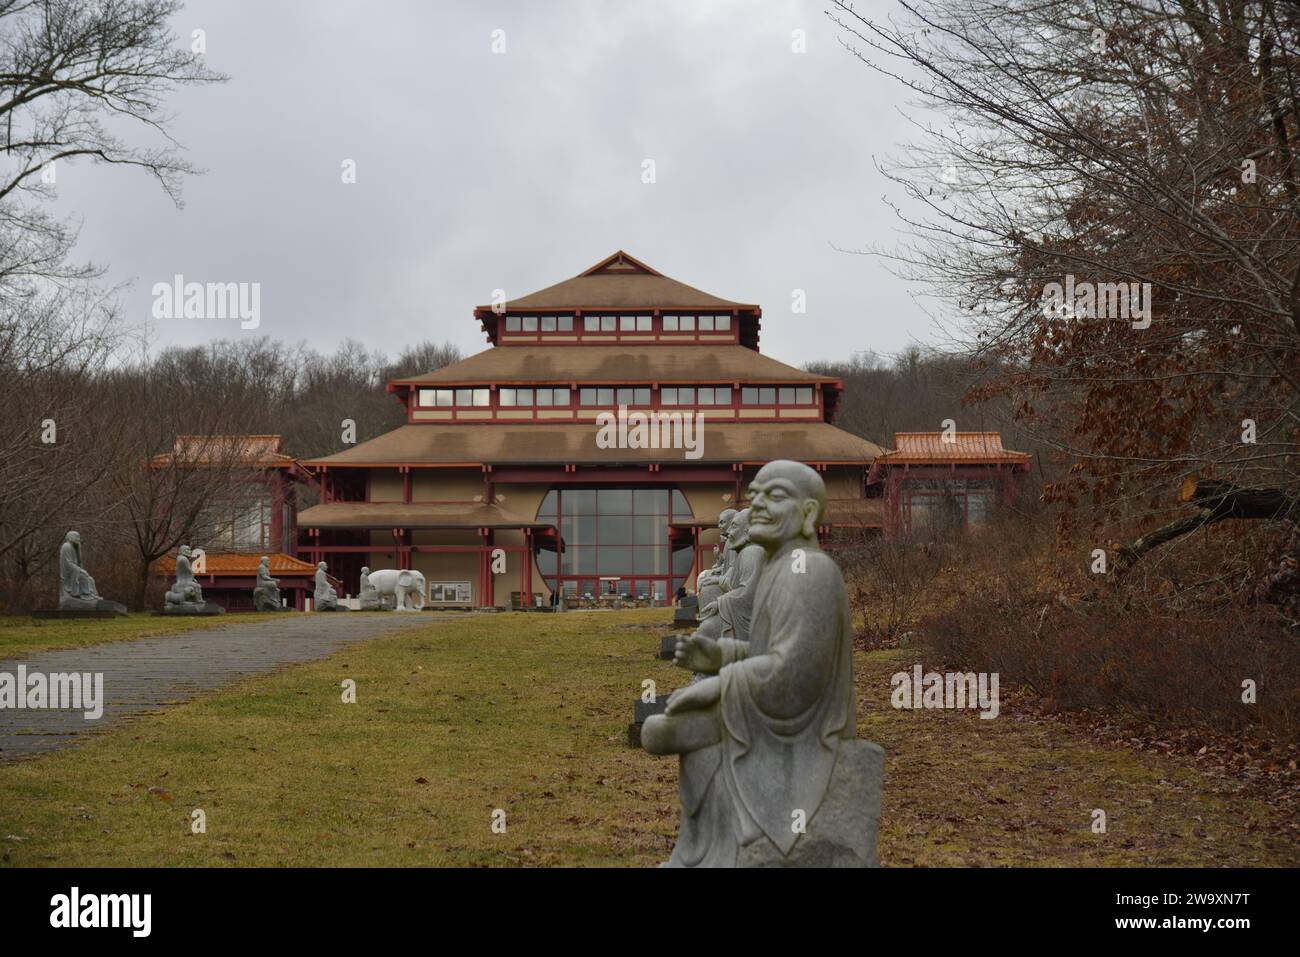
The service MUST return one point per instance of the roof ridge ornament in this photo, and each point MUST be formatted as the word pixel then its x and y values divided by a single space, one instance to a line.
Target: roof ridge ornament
pixel 620 262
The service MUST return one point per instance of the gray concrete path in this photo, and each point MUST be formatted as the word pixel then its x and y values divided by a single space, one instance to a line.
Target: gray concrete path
pixel 140 675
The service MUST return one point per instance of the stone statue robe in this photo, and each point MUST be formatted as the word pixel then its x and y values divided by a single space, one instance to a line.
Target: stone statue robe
pixel 324 595
pixel 75 583
pixel 786 702
pixel 266 593
pixel 736 603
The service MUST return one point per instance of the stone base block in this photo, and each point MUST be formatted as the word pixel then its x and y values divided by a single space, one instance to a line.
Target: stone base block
pixel 640 711
pixel 181 611
pixel 104 609
pixel 846 828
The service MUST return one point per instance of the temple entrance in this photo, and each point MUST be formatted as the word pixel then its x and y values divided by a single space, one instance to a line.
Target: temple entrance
pixel 615 547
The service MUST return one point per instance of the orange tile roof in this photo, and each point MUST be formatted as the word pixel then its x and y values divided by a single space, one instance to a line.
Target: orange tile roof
pixel 265 451
pixel 943 448
pixel 241 563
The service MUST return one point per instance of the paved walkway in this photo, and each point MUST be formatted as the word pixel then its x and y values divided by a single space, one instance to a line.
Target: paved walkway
pixel 142 674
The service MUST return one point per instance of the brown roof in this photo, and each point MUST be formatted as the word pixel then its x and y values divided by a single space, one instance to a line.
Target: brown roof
pixel 265 451
pixel 617 364
pixel 575 443
pixel 941 448
pixel 240 563
pixel 415 515
pixel 620 282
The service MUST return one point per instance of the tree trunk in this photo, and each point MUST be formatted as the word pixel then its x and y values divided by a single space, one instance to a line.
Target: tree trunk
pixel 1217 501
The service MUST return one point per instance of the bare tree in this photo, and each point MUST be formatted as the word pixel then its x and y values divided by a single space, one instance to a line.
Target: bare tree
pixel 1140 154
pixel 71 73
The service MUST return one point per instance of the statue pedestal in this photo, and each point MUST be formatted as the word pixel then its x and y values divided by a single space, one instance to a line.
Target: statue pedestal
pixel 845 830
pixel 642 710
pixel 103 609
pixel 685 614
pixel 207 608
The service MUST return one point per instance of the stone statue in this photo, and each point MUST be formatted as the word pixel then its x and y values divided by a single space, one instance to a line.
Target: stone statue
pixel 266 593
pixel 325 597
pixel 369 594
pixel 735 603
pixel 186 590
pixel 707 583
pixel 76 588
pixel 771 773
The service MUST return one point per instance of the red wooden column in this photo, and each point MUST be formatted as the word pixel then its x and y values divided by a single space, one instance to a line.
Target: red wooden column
pixel 489 539
pixel 528 564
pixel 277 483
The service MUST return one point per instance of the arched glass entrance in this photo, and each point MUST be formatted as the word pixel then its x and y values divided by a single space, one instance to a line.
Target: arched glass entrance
pixel 616 543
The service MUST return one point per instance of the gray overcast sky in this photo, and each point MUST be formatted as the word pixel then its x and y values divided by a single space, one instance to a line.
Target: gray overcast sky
pixel 478 171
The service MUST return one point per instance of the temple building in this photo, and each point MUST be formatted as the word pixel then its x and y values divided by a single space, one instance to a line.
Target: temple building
pixel 587 452
pixel 933 483
pixel 249 486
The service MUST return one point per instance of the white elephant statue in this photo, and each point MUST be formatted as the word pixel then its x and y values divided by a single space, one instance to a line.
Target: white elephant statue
pixel 400 586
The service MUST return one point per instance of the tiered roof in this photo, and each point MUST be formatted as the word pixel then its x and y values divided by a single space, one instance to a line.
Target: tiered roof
pixel 620 282
pixel 573 444
pixel 620 364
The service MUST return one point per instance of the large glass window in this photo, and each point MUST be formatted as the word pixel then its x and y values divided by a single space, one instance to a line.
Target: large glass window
pixel 621 537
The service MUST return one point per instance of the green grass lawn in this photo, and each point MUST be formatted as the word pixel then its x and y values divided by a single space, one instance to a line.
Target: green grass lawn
pixel 21 635
pixel 528 714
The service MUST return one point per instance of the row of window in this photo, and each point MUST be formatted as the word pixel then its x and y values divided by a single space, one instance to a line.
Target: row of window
pixel 618 323
pixel 608 397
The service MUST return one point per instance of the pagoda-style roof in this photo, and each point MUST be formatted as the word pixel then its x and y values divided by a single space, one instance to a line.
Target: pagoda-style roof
pixel 620 282
pixel 575 443
pixel 943 448
pixel 617 364
pixel 412 515
pixel 241 564
pixel 252 451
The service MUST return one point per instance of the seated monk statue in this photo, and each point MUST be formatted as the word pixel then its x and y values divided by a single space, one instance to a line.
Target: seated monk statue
pixel 737 598
pixel 708 585
pixel 325 597
pixel 76 587
pixel 760 738
pixel 186 590
pixel 266 593
pixel 369 594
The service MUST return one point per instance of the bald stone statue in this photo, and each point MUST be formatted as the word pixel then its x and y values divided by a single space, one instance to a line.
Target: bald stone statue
pixel 737 599
pixel 76 588
pixel 368 595
pixel 708 584
pixel 771 773
pixel 324 597
pixel 266 593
